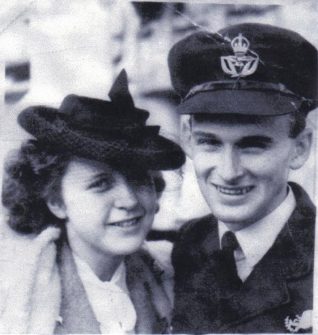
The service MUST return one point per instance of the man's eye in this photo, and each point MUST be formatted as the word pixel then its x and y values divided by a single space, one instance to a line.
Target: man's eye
pixel 207 141
pixel 254 145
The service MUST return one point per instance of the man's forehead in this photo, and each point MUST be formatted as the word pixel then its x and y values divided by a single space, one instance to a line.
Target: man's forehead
pixel 241 127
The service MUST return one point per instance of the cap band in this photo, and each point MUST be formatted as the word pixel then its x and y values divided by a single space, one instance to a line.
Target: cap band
pixel 240 85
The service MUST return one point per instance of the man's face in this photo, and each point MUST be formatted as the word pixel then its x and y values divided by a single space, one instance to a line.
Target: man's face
pixel 242 169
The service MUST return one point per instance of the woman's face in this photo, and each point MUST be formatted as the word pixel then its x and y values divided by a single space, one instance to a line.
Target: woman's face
pixel 107 211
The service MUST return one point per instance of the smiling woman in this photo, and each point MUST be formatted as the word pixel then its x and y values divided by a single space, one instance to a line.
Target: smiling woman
pixel 119 215
pixel 85 213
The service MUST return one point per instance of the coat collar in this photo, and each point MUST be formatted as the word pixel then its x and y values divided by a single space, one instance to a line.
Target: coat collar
pixel 76 312
pixel 152 305
pixel 291 256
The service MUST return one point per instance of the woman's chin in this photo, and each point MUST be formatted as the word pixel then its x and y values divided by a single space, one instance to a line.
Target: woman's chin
pixel 125 247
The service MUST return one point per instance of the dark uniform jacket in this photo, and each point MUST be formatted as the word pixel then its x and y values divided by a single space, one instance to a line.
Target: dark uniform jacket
pixel 279 289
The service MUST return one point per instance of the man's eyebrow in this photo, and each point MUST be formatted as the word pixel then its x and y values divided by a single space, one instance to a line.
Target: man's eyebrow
pixel 250 140
pixel 199 133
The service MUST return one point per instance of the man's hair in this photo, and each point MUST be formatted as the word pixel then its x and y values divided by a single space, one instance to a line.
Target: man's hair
pixel 297 120
pixel 297 124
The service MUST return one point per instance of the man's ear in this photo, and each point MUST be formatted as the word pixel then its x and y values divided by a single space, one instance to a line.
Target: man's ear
pixel 303 143
pixel 185 134
pixel 57 208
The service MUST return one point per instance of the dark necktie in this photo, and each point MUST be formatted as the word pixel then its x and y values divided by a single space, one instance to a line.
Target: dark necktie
pixel 229 244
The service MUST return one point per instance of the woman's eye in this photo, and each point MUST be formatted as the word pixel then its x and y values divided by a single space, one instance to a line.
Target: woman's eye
pixel 102 185
pixel 138 177
pixel 143 181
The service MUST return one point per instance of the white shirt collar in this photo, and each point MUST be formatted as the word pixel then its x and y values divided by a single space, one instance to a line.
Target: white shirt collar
pixel 256 239
pixel 109 300
pixel 87 275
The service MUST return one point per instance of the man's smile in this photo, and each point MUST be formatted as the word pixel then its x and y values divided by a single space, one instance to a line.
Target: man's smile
pixel 233 190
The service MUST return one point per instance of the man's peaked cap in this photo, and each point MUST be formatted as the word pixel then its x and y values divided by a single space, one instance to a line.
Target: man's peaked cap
pixel 247 68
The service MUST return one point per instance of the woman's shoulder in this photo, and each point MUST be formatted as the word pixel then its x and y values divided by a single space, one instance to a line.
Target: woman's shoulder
pixel 28 278
pixel 147 278
pixel 152 268
pixel 159 255
pixel 24 247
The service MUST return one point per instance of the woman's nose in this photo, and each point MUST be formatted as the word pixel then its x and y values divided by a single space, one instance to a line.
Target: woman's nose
pixel 229 167
pixel 126 196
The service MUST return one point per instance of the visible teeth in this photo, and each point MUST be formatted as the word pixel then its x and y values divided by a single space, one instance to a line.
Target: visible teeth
pixel 125 224
pixel 234 191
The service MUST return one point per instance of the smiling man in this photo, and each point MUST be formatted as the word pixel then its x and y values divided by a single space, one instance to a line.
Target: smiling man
pixel 247 267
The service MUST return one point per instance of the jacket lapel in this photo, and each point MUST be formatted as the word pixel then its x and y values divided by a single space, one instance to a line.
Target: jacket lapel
pixel 76 313
pixel 290 257
pixel 264 289
pixel 211 241
pixel 151 303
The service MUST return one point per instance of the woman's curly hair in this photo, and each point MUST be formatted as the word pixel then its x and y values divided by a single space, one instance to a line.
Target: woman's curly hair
pixel 32 176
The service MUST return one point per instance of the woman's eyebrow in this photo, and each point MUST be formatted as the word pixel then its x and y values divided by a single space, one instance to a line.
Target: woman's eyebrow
pixel 100 175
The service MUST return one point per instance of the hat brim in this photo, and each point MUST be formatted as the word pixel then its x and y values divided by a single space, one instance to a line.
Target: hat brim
pixel 153 152
pixel 247 102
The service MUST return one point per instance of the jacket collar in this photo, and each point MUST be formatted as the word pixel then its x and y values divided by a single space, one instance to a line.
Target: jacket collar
pixel 291 256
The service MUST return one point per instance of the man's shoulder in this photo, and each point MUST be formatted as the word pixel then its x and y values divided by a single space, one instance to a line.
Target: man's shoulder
pixel 304 205
pixel 302 221
pixel 194 241
pixel 197 228
pixel 301 224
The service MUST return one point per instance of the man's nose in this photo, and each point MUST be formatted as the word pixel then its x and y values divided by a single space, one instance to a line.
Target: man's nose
pixel 126 196
pixel 229 167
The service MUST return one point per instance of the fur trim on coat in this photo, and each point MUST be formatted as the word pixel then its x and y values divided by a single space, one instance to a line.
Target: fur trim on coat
pixel 39 294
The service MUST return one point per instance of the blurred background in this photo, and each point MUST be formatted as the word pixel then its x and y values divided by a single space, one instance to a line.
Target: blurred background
pixel 50 48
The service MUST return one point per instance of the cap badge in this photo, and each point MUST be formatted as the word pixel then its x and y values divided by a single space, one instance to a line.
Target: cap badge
pixel 240 64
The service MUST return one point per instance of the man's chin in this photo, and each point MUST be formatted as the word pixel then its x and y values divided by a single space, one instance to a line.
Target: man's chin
pixel 234 218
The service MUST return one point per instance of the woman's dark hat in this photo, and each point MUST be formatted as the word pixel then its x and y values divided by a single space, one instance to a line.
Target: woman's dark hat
pixel 112 131
pixel 247 68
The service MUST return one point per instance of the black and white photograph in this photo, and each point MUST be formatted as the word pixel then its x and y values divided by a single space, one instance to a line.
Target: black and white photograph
pixel 158 167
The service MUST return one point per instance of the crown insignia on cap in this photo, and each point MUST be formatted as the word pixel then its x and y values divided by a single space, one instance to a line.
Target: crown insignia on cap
pixel 240 45
pixel 240 64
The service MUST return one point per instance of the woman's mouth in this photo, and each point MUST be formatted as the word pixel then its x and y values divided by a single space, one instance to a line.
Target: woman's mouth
pixel 235 191
pixel 126 223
